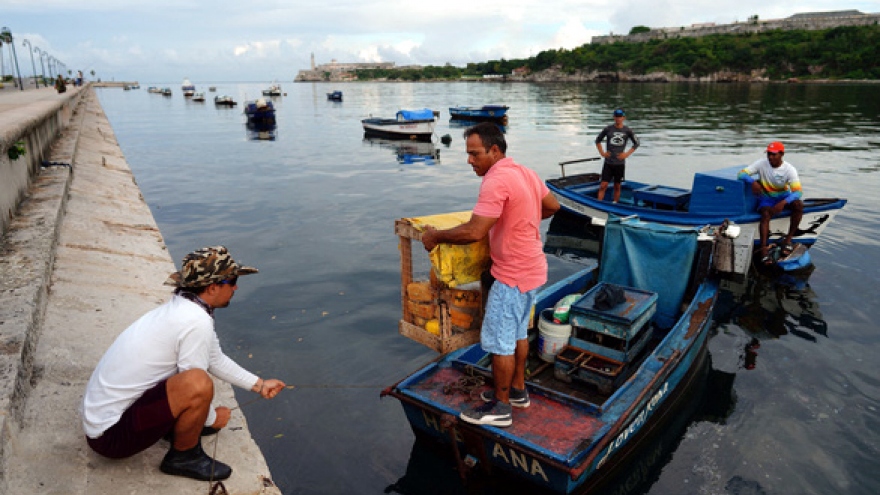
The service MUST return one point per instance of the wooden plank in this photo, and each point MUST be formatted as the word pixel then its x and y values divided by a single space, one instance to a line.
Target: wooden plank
pixel 454 341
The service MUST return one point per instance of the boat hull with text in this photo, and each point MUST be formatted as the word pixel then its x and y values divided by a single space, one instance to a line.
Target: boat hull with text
pixel 574 432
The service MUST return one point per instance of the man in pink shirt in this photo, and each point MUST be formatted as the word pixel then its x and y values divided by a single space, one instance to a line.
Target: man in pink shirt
pixel 512 202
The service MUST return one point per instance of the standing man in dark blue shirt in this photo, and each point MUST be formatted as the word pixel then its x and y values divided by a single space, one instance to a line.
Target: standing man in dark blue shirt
pixel 617 136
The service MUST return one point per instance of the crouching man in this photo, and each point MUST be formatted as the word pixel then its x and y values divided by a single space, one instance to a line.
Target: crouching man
pixel 154 379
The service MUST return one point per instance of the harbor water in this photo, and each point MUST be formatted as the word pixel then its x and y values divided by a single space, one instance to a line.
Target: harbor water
pixel 790 403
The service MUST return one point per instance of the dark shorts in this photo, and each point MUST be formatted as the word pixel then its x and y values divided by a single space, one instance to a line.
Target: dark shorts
pixel 768 202
pixel 146 421
pixel 613 172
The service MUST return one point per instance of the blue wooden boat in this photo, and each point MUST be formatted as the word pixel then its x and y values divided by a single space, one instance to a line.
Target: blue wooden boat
pixel 416 125
pixel 715 197
pixel 260 112
pixel 485 112
pixel 579 426
pixel 335 95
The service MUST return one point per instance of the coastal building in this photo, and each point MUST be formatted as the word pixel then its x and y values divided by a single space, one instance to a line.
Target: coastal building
pixel 338 71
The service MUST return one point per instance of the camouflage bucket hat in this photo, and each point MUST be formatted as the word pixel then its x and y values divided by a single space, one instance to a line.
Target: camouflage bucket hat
pixel 207 266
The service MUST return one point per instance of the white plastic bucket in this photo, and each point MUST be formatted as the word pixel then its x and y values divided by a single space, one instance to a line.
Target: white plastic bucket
pixel 552 337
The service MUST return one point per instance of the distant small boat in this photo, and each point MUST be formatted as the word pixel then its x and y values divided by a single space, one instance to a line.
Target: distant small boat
pixel 187 88
pixel 417 125
pixel 260 112
pixel 274 90
pixel 126 87
pixel 224 100
pixel 198 96
pixel 485 112
pixel 153 89
pixel 335 96
pixel 212 88
pixel 166 91
pixel 135 86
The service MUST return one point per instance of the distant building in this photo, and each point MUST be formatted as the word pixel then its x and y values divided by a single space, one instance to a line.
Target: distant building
pixel 336 71
pixel 807 20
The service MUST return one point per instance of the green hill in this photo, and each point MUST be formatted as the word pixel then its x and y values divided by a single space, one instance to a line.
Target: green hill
pixel 848 52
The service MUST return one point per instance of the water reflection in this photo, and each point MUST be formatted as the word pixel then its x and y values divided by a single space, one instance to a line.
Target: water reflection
pixel 260 131
pixel 406 151
pixel 769 307
pixel 464 124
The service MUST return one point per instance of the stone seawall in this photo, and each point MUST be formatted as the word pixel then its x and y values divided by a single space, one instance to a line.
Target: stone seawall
pixel 37 124
pixel 83 258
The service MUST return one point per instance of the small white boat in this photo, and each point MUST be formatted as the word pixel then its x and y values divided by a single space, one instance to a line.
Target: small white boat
pixel 154 89
pixel 224 100
pixel 187 88
pixel 212 88
pixel 274 90
pixel 417 125
pixel 198 96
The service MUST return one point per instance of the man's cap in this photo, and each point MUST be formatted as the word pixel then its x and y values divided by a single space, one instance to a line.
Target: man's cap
pixel 619 112
pixel 776 147
pixel 206 266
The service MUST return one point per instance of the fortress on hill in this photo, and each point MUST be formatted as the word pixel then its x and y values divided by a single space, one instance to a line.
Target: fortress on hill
pixel 808 21
pixel 336 71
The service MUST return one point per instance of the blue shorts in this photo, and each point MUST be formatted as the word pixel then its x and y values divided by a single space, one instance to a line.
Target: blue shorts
pixel 507 318
pixel 767 202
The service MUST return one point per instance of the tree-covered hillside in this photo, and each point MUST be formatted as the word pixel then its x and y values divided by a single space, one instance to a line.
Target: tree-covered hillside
pixel 849 52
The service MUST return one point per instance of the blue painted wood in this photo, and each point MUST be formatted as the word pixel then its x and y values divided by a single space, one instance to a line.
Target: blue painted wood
pixel 562 440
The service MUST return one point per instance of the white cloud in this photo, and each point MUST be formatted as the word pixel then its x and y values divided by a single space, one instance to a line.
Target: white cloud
pixel 231 40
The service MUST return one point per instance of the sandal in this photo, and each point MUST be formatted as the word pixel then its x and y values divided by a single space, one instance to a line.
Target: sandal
pixel 767 260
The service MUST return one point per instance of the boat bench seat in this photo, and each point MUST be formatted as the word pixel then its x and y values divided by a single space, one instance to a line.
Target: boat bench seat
pixel 671 198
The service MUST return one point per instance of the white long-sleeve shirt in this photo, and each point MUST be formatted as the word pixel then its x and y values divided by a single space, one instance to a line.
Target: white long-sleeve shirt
pixel 177 336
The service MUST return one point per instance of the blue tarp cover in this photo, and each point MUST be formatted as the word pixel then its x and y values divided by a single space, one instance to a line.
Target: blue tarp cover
pixel 418 114
pixel 652 257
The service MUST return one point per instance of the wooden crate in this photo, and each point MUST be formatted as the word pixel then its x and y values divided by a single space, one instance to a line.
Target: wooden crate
pixel 446 300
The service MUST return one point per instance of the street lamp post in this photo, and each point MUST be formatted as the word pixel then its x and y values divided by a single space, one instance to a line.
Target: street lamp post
pixel 49 60
pixel 6 34
pixel 42 67
pixel 33 65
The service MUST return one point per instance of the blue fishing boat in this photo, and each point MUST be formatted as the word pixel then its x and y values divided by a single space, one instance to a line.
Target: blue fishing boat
pixel 617 376
pixel 260 112
pixel 485 112
pixel 416 125
pixel 715 197
pixel 334 95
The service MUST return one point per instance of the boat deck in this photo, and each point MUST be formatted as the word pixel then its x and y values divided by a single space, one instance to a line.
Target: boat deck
pixel 551 424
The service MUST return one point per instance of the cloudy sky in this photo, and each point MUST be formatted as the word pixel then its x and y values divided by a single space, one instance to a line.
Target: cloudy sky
pixel 223 40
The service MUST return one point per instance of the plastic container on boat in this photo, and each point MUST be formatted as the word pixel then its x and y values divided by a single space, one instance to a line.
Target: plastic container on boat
pixel 552 337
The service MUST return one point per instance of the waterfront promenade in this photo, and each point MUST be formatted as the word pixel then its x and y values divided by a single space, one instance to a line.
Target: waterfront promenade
pixel 81 260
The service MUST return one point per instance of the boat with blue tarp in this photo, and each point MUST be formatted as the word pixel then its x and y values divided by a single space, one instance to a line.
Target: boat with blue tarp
pixel 417 125
pixel 484 112
pixel 260 112
pixel 618 375
pixel 716 196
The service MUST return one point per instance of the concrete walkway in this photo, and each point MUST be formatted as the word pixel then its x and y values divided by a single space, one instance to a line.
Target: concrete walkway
pixel 84 246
